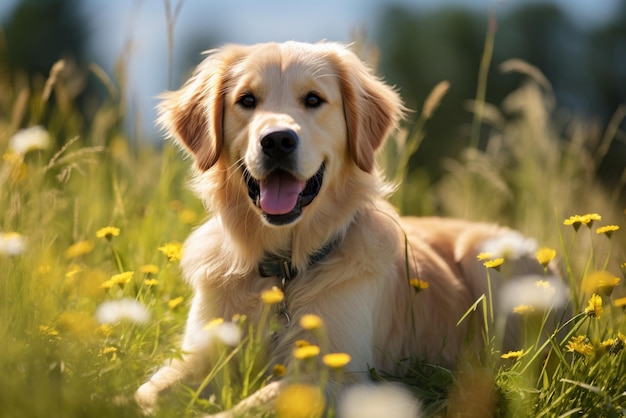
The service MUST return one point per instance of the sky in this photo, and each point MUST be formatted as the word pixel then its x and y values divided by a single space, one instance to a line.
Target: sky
pixel 116 25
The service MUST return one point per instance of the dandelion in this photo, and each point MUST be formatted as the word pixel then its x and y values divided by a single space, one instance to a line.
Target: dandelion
pixel 418 284
pixel 579 344
pixel 31 139
pixel 272 296
pixel 311 322
pixel 594 308
pixel 149 269
pixel 14 168
pixel 105 330
pixel 12 243
pixel 301 343
pixel 73 271
pixel 151 282
pixel 515 355
pixel 483 256
pixel 577 220
pixel 336 360
pixel 48 331
pixel 607 230
pixel 601 282
pixel 279 370
pixel 620 302
pixel 79 248
pixel 173 303
pixel 512 245
pixel 214 323
pixel 545 285
pixel 523 309
pixel 126 309
pixel 108 232
pixel 172 250
pixel 494 264
pixel 119 279
pixel 306 352
pixel 187 216
pixel 545 255
pixel 108 350
pixel 300 400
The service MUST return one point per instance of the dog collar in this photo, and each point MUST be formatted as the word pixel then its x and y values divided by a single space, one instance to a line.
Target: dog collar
pixel 276 266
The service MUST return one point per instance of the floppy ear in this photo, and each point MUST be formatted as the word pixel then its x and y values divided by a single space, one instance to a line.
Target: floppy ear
pixel 372 109
pixel 193 114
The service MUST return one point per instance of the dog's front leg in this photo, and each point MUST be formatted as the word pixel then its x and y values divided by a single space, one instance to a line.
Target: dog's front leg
pixel 194 363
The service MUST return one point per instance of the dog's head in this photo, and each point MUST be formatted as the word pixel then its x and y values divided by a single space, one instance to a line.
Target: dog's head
pixel 288 117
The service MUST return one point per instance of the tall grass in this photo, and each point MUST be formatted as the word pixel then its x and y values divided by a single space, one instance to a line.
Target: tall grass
pixel 58 359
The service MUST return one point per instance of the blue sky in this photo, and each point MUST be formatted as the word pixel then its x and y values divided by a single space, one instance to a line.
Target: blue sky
pixel 116 24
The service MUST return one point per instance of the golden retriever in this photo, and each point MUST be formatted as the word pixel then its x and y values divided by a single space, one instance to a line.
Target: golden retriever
pixel 283 138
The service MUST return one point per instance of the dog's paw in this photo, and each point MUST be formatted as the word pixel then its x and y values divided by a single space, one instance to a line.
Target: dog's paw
pixel 146 397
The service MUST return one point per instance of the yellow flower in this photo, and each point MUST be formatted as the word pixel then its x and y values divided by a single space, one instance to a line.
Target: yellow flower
pixel 301 343
pixel 73 271
pixel 483 256
pixel 579 344
pixel 187 216
pixel 607 230
pixel 494 264
pixel 279 370
pixel 172 250
pixel 79 248
pixel 14 167
pixel 105 330
pixel 149 269
pixel 311 322
pixel 513 355
pixel 120 279
pixel 108 350
pixel 300 400
pixel 306 352
pixel 47 330
pixel 545 255
pixel 577 220
pixel 272 296
pixel 214 322
pixel 107 232
pixel 173 303
pixel 619 302
pixel 523 309
pixel 594 309
pixel 151 282
pixel 336 360
pixel 600 281
pixel 418 284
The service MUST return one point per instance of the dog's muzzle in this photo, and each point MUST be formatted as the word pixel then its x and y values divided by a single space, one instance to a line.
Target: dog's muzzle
pixel 281 196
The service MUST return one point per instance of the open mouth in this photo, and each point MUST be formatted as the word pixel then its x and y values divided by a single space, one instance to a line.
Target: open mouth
pixel 281 196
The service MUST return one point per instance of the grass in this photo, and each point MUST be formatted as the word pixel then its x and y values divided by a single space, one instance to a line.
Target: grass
pixel 58 360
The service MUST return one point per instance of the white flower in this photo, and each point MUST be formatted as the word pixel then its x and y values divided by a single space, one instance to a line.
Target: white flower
pixel 227 333
pixel 113 311
pixel 538 292
pixel 12 243
pixel 511 245
pixel 31 139
pixel 378 401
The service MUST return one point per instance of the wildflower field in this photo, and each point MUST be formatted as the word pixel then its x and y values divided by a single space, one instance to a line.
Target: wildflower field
pixel 92 219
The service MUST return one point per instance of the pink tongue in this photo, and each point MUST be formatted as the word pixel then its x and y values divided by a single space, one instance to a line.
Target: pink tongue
pixel 279 192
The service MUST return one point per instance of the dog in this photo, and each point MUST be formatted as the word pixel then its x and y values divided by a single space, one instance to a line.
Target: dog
pixel 283 138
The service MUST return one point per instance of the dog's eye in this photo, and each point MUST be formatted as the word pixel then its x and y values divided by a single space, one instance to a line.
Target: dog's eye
pixel 312 100
pixel 247 100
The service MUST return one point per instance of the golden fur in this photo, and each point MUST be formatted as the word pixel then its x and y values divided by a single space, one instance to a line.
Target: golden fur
pixel 361 288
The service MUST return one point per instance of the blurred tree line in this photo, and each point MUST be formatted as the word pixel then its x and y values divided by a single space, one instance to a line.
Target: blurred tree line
pixel 586 66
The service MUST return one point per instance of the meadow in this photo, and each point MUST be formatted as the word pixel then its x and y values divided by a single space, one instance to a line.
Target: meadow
pixel 92 218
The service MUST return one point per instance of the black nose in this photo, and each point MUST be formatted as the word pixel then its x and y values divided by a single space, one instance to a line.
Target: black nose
pixel 279 144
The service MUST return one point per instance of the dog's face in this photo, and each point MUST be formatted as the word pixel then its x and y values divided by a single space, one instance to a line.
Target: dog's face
pixel 287 118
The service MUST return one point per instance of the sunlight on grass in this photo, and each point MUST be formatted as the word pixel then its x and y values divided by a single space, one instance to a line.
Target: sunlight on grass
pixel 91 298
